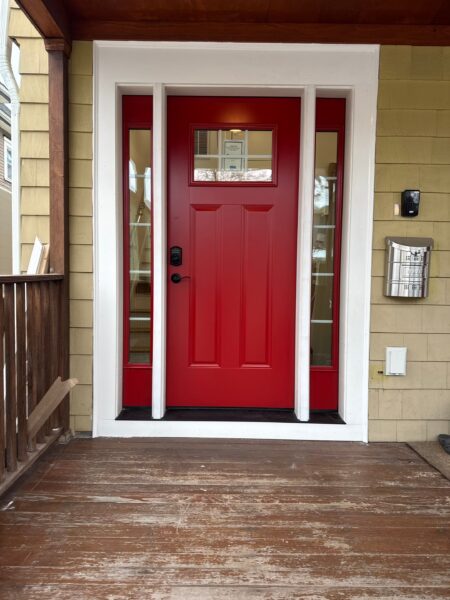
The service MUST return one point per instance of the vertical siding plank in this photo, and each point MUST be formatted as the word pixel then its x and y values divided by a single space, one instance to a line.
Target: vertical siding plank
pixel 31 355
pixel 63 341
pixel 40 355
pixel 21 374
pixel 53 341
pixel 10 380
pixel 45 344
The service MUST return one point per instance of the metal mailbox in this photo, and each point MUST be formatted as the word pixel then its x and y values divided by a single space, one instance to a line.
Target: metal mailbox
pixel 407 267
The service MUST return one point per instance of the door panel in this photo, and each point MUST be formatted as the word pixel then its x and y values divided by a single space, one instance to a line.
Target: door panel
pixel 205 222
pixel 231 321
pixel 256 336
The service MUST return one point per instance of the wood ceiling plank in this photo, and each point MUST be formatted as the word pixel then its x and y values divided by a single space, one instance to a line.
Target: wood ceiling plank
pixel 417 12
pixel 413 22
pixel 402 12
pixel 175 10
pixel 263 32
pixel 292 11
pixel 442 14
pixel 48 16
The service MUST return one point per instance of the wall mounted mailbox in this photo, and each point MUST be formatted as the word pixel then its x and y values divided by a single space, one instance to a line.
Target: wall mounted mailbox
pixel 407 267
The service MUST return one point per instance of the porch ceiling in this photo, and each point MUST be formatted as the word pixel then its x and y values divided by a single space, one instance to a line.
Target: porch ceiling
pixel 416 22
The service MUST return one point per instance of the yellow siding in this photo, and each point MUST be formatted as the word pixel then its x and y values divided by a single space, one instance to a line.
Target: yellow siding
pixel 34 60
pixel 413 150
pixel 19 26
pixel 34 117
pixel 80 202
pixel 34 132
pixel 34 201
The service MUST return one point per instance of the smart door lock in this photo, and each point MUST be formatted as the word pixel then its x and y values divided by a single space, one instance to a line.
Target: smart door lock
pixel 176 256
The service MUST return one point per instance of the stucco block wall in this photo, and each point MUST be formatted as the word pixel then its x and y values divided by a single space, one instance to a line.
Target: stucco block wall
pixel 35 190
pixel 413 152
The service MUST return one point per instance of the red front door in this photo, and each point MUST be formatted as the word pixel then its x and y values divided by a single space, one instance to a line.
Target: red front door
pixel 233 168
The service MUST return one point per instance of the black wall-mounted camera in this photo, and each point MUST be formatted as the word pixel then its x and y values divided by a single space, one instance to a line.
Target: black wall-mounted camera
pixel 410 203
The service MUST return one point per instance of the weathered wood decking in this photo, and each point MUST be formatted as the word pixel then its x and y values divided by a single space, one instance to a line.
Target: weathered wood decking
pixel 214 519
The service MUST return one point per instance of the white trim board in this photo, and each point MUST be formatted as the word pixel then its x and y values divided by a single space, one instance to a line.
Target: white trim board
pixel 231 429
pixel 258 69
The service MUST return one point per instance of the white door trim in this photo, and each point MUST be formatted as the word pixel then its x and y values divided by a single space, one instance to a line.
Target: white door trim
pixel 159 252
pixel 304 245
pixel 258 69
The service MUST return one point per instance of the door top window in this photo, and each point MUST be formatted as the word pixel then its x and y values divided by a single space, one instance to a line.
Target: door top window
pixel 233 155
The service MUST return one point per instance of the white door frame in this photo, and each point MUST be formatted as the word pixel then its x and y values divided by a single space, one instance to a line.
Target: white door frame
pixel 308 71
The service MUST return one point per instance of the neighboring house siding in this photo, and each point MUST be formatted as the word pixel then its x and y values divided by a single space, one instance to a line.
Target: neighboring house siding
pixel 5 214
pixel 5 233
pixel 413 151
pixel 4 183
pixel 35 191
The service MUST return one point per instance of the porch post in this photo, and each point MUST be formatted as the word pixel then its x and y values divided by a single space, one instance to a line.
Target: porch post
pixel 58 54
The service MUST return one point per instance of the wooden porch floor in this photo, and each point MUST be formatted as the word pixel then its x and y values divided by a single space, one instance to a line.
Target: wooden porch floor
pixel 206 519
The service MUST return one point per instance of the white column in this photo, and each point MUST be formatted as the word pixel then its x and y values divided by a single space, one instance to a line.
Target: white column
pixel 159 252
pixel 304 245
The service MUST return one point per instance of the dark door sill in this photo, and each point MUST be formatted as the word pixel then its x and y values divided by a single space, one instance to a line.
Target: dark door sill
pixel 246 415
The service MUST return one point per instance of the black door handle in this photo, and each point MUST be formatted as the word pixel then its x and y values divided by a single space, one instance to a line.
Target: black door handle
pixel 176 277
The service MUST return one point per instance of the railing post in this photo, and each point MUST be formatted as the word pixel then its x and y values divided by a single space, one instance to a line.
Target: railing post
pixel 21 373
pixel 10 379
pixel 58 53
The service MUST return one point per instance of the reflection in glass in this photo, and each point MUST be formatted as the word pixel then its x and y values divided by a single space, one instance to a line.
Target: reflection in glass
pixel 232 155
pixel 324 220
pixel 140 246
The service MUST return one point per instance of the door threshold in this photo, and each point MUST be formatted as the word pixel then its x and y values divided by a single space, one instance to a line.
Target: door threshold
pixel 246 415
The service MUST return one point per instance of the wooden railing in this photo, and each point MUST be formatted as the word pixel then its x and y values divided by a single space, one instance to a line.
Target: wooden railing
pixel 32 413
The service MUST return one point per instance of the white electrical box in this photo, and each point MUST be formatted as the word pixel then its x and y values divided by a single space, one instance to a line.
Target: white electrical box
pixel 395 361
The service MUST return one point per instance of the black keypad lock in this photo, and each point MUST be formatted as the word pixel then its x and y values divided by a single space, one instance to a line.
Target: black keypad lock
pixel 176 256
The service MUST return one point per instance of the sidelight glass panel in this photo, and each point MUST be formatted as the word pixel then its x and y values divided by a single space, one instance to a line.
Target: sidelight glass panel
pixel 323 238
pixel 140 247
pixel 232 155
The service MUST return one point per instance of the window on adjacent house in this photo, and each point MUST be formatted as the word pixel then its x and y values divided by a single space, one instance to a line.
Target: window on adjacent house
pixel 7 159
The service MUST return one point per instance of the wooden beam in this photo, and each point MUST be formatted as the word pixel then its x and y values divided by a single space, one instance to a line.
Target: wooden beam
pixel 49 17
pixel 49 403
pixel 427 35
pixel 30 278
pixel 59 194
pixel 58 153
